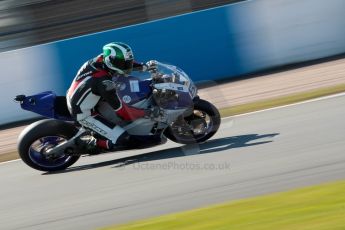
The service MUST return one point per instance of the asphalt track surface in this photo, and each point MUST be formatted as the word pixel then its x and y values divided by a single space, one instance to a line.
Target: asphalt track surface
pixel 269 151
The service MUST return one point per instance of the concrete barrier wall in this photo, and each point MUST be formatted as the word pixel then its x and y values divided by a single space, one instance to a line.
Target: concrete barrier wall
pixel 26 71
pixel 218 43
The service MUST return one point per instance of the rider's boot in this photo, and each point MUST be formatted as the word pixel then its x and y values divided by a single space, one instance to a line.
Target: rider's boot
pixel 123 141
pixel 104 144
pixel 87 145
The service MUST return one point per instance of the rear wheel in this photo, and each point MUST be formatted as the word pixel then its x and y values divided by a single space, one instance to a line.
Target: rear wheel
pixel 196 128
pixel 40 136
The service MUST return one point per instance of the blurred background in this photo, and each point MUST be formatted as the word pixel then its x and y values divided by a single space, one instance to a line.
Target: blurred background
pixel 30 22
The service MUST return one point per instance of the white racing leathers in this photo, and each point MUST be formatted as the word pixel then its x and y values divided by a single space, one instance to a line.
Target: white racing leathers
pixel 96 123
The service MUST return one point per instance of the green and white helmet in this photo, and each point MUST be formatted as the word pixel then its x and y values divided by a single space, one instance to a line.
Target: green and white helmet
pixel 118 56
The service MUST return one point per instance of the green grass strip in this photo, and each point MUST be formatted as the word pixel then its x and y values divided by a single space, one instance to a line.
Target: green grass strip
pixel 279 101
pixel 319 207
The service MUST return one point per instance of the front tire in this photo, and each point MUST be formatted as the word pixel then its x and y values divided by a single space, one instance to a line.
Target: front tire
pixel 42 134
pixel 204 112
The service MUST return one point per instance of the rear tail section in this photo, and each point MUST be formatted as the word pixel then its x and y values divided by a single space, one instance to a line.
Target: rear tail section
pixel 46 104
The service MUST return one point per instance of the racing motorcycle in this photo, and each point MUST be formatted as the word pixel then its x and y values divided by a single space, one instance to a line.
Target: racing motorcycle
pixel 50 144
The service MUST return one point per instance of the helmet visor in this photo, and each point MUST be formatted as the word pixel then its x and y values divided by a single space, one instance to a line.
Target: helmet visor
pixel 124 65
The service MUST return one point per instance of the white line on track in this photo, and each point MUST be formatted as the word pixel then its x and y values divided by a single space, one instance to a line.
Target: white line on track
pixel 6 162
pixel 259 111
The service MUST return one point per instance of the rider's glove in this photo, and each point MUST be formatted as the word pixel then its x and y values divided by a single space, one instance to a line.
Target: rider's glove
pixel 151 65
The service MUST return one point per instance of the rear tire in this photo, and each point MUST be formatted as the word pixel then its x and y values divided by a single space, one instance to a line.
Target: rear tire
pixel 38 131
pixel 214 116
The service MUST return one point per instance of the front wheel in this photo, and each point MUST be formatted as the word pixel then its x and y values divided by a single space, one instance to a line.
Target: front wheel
pixel 41 135
pixel 198 127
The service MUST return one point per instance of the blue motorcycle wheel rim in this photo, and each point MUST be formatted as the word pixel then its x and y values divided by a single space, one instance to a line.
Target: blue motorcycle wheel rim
pixel 36 148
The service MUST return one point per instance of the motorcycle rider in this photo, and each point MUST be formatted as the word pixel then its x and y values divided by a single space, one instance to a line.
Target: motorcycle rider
pixel 95 81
